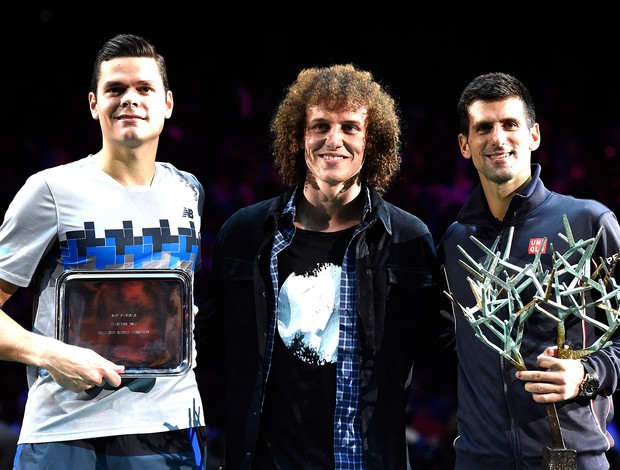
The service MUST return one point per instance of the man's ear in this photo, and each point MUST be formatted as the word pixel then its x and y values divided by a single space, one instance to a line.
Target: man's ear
pixel 464 146
pixel 535 137
pixel 92 104
pixel 169 104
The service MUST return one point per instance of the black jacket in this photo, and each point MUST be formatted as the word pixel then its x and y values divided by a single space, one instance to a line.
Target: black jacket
pixel 395 263
pixel 499 423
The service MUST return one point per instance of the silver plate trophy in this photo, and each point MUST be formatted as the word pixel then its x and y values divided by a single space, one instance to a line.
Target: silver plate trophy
pixel 139 318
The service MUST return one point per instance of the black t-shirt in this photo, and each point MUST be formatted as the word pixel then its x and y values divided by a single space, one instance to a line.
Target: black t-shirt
pixel 297 422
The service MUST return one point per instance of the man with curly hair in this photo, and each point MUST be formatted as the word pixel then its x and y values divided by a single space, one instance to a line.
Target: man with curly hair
pixel 313 307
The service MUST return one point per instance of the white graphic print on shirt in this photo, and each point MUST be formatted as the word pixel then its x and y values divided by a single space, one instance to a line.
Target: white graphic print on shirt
pixel 308 314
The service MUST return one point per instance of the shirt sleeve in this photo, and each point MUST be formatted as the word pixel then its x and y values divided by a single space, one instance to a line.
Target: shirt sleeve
pixel 29 227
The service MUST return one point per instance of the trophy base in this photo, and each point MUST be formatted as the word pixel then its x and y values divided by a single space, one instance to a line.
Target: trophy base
pixel 559 459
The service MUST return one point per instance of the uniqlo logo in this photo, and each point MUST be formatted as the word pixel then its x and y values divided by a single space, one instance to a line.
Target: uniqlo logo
pixel 536 245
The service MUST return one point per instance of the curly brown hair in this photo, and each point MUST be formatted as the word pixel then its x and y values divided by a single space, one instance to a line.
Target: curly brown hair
pixel 338 87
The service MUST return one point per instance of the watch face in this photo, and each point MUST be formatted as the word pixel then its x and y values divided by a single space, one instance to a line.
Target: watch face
pixel 588 388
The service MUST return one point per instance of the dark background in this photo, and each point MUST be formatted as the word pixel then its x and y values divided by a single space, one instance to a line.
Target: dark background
pixel 228 68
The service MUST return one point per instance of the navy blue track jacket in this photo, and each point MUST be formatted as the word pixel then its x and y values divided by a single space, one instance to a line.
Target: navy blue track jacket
pixel 499 424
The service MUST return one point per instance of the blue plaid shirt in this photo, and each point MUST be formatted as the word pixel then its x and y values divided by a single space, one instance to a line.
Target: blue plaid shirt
pixel 348 453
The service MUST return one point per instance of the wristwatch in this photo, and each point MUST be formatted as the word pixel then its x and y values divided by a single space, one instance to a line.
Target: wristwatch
pixel 589 385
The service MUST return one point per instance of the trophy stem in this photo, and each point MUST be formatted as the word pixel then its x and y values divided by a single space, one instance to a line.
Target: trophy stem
pixel 558 457
pixel 499 286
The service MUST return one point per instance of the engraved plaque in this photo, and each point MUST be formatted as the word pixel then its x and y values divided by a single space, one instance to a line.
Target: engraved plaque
pixel 138 318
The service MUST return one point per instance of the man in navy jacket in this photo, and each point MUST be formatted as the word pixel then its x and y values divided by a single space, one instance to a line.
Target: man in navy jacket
pixel 503 419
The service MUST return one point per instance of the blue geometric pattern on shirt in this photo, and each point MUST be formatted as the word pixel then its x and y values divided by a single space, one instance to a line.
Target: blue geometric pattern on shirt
pixel 122 247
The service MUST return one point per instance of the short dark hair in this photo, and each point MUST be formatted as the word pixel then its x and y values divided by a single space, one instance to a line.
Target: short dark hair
pixel 127 45
pixel 494 86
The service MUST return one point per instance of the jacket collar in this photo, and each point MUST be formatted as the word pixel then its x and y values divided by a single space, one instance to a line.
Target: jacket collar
pixel 476 210
pixel 376 208
pixel 283 208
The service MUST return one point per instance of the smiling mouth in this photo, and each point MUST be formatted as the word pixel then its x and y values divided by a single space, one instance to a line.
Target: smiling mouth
pixel 129 117
pixel 500 156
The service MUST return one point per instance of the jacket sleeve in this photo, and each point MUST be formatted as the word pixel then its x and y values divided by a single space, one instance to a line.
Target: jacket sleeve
pixel 606 361
pixel 209 321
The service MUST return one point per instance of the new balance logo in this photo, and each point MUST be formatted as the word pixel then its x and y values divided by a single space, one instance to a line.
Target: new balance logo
pixel 189 213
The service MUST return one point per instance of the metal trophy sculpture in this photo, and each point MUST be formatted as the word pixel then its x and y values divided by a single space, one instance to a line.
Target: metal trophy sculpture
pixel 498 285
